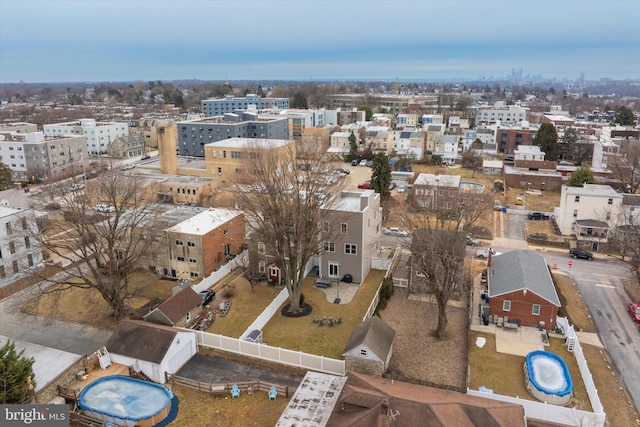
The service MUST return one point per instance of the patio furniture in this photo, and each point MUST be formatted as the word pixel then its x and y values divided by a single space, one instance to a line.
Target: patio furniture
pixel 337 320
pixel 235 391
pixel 273 393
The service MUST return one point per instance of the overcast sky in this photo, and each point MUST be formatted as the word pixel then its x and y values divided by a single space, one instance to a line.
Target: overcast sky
pixel 103 40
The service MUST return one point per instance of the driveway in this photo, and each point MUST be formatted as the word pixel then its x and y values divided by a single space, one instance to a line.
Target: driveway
pixel 217 370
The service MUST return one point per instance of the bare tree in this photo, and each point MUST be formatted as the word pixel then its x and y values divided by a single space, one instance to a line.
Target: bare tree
pixel 102 248
pixel 626 165
pixel 438 246
pixel 286 201
pixel 626 232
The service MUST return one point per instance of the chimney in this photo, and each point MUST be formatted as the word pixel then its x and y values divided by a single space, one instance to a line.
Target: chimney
pixel 489 255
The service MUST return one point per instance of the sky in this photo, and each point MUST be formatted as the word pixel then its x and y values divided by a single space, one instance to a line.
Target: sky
pixel 112 40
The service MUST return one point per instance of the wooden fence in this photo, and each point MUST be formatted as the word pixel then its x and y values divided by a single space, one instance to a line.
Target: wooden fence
pixel 225 388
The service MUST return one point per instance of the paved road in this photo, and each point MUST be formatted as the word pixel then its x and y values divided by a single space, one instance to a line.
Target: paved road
pixel 49 332
pixel 601 283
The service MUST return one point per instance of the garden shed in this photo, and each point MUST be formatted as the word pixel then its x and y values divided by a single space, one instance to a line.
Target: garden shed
pixel 369 348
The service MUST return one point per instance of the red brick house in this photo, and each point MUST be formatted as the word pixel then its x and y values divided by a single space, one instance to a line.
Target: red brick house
pixel 521 289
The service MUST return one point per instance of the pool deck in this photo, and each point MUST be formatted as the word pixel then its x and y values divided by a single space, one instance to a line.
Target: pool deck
pixel 77 385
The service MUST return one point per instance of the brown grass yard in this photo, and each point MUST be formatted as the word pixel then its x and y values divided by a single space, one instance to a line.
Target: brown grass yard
pixel 304 335
pixel 87 306
pixel 206 410
pixel 572 304
pixel 503 373
pixel 544 203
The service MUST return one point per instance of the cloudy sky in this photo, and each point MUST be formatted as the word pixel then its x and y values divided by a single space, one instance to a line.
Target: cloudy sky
pixel 98 40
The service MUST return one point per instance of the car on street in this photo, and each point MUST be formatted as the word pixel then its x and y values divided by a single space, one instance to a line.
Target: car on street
pixel 484 253
pixel 402 189
pixel 207 296
pixel 537 216
pixel 363 162
pixel 519 200
pixel 634 309
pixel 497 205
pixel 395 231
pixel 365 185
pixel 580 253
pixel 145 157
pixel 471 241
pixel 75 187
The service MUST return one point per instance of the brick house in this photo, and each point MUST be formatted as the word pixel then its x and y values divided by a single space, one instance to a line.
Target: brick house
pixel 521 289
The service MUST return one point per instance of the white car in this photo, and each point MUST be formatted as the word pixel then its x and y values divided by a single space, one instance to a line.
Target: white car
pixel 395 231
pixel 105 209
pixel 484 253
pixel 401 189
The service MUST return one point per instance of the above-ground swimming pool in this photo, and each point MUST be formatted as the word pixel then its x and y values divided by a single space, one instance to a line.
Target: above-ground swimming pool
pixel 547 378
pixel 126 401
pixel 471 187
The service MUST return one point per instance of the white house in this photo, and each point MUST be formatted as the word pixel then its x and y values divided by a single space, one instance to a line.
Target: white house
pixel 588 212
pixel 528 152
pixel 340 142
pixel 152 349
pixel 20 252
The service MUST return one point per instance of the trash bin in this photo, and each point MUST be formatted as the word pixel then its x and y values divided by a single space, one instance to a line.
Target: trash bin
pixel 504 209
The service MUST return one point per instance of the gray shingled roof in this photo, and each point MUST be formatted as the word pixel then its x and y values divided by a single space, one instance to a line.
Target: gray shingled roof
pixel 375 334
pixel 141 340
pixel 594 223
pixel 517 270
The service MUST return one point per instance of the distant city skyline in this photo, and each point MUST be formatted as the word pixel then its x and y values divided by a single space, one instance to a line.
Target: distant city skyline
pixel 71 40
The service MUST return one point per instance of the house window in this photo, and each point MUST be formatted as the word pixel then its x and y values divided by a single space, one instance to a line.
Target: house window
pixel 350 249
pixel 577 199
pixel 15 266
pixel 363 352
pixel 329 246
pixel 24 222
pixel 8 225
pixel 261 248
pixel 191 244
pixel 12 247
pixel 325 226
pixel 192 260
pixel 575 213
pixel 188 316
pixel 180 258
pixel 3 274
pixel 27 242
pixel 610 201
pixel 506 305
pixel 179 242
pixel 334 269
pixel 192 274
pixel 226 232
pixel 608 216
pixel 262 267
pixel 343 228
pixel 535 310
pixel 219 171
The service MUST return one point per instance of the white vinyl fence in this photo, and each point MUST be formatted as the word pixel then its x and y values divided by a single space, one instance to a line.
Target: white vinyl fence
pixel 267 313
pixel 217 275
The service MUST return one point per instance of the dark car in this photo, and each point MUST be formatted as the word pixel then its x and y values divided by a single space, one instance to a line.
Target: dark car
pixel 537 216
pixel 580 253
pixel 207 296
pixel 355 162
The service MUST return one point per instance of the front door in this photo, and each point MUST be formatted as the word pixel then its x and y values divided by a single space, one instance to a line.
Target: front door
pixel 334 269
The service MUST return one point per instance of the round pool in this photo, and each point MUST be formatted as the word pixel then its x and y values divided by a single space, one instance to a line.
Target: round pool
pixel 126 401
pixel 547 378
pixel 471 187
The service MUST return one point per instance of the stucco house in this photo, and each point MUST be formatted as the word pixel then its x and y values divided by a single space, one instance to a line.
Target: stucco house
pixel 521 289
pixel 151 349
pixel 369 348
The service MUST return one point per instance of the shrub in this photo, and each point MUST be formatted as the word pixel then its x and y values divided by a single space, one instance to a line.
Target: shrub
pixel 229 290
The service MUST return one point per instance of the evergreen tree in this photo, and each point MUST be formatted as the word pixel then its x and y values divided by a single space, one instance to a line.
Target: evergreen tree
pixel 581 176
pixel 299 101
pixel 381 175
pixel 367 112
pixel 353 144
pixel 624 116
pixel 17 379
pixel 547 140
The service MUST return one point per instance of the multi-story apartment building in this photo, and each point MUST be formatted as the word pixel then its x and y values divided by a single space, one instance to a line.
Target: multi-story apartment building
pixel 193 135
pixel 508 138
pixel 99 134
pixel 18 127
pixel 229 104
pixel 436 192
pixel 201 244
pixel 19 250
pixel 501 113
pixel 33 156
pixel 348 117
pixel 587 212
pixel 316 138
pixel 396 104
pixel 227 159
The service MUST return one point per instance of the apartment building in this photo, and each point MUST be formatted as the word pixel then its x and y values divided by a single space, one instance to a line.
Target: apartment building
pixel 396 104
pixel 432 119
pixel 528 152
pixel 99 134
pixel 436 192
pixel 193 135
pixel 501 113
pixel 229 104
pixel 36 156
pixel 227 159
pixel 510 136
pixel 20 252
pixel 406 120
pixel 18 127
pixel 200 245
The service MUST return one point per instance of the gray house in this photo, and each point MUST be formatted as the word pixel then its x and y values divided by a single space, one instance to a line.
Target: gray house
pixel 369 348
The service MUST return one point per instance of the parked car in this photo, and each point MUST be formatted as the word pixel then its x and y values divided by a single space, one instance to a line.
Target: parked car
pixel 104 208
pixel 392 186
pixel 402 189
pixel 497 205
pixel 537 216
pixel 366 185
pixel 519 200
pixel 75 187
pixel 354 162
pixel 395 231
pixel 484 253
pixel 634 309
pixel 207 296
pixel 363 162
pixel 145 157
pixel 369 163
pixel 344 171
pixel 580 253
pixel 471 241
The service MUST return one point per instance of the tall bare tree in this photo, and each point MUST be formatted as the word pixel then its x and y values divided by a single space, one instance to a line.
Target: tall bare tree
pixel 438 245
pixel 626 232
pixel 626 165
pixel 102 247
pixel 287 202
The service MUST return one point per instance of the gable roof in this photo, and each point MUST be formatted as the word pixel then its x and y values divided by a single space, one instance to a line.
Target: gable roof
pixel 375 334
pixel 177 306
pixel 364 398
pixel 518 270
pixel 141 340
